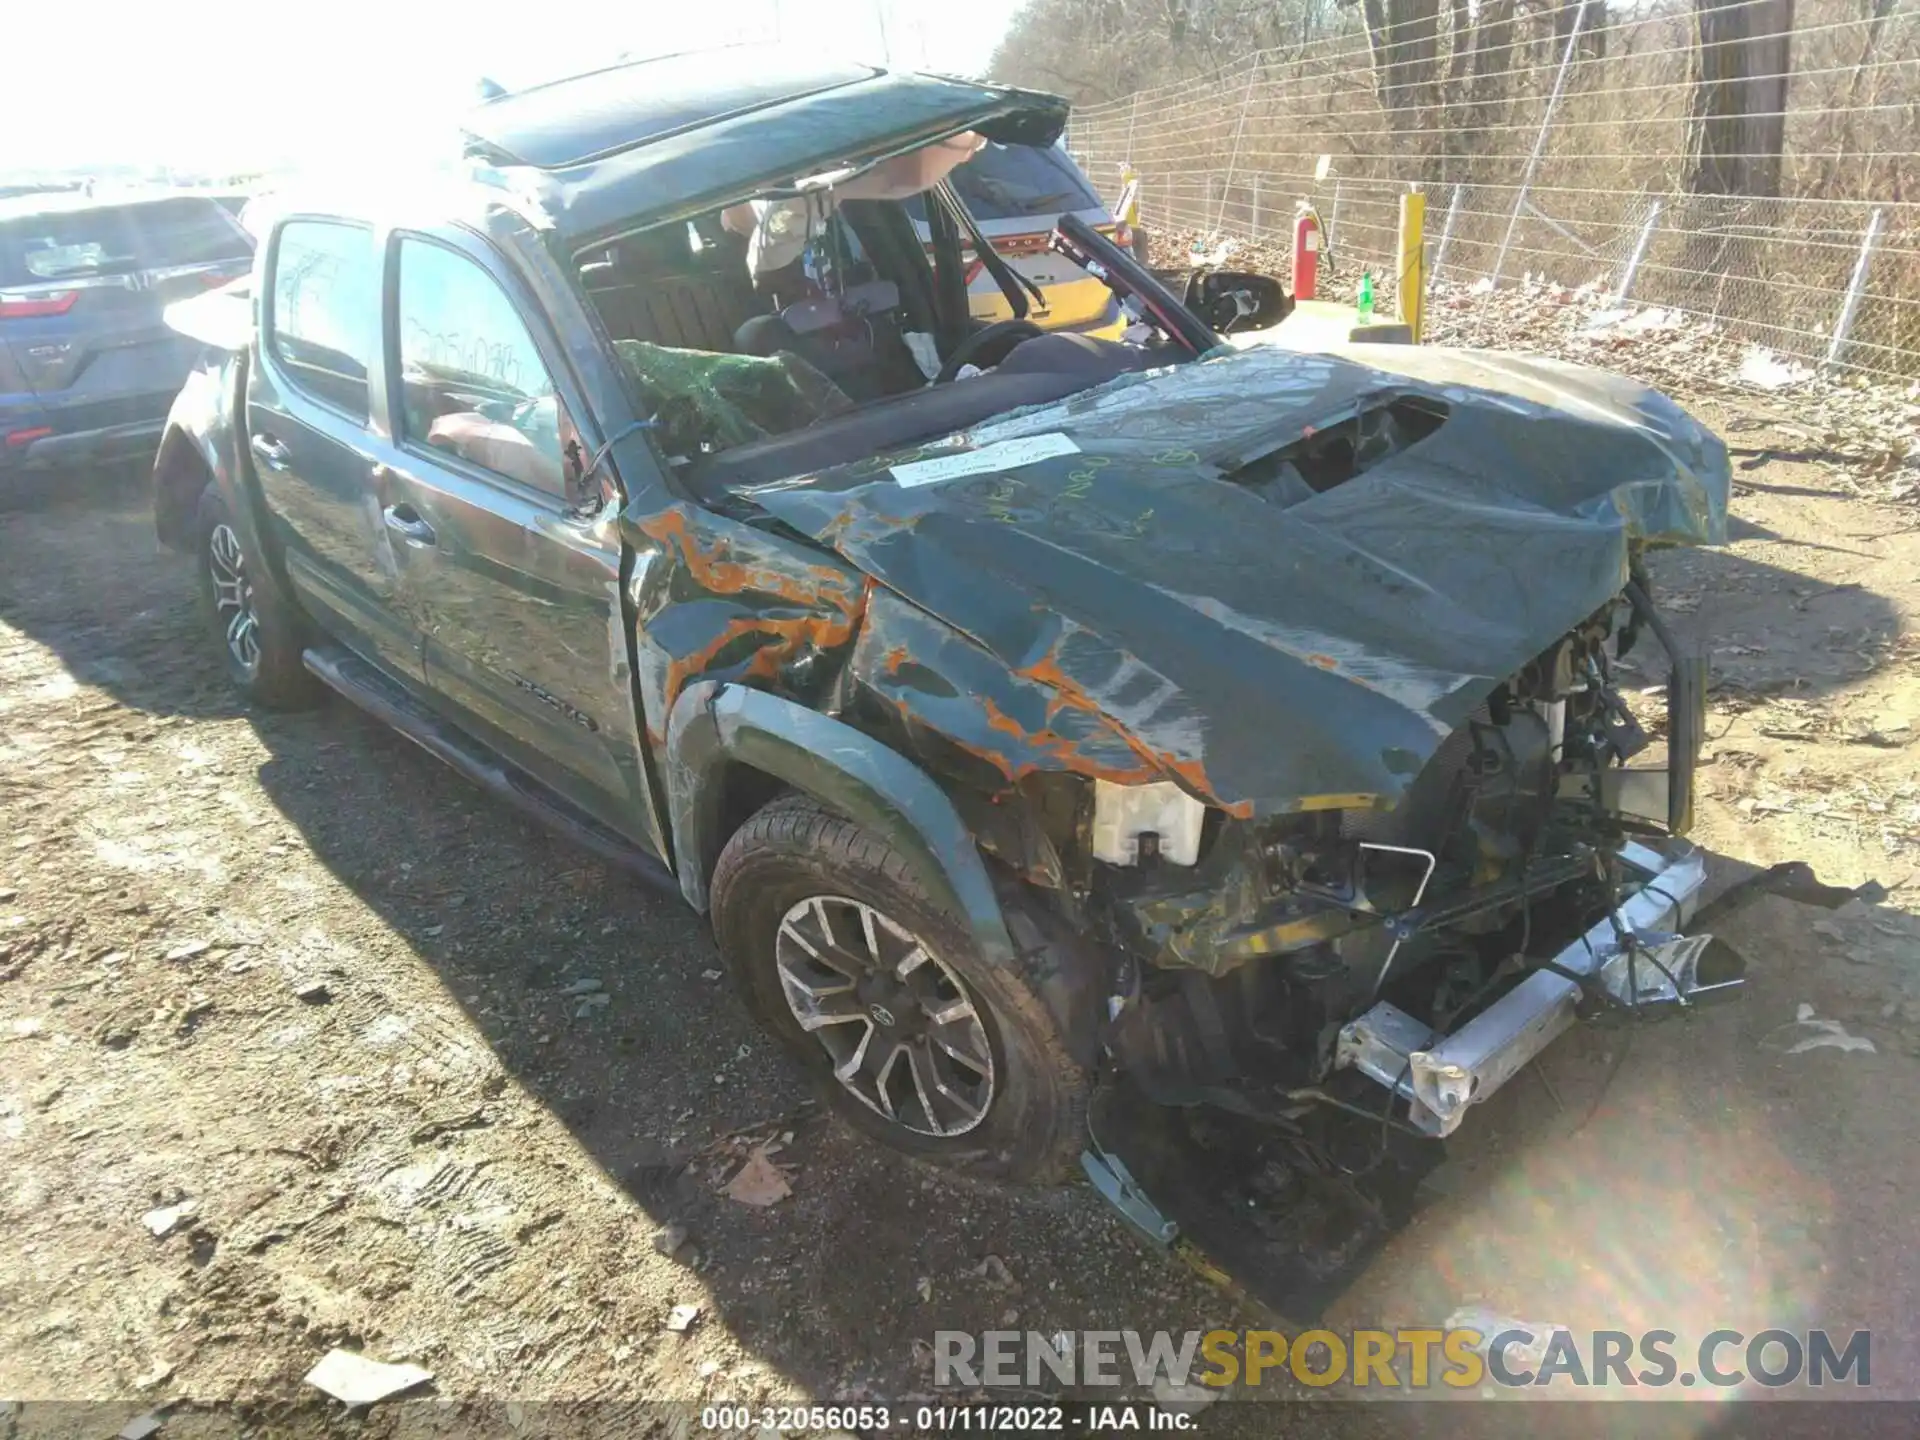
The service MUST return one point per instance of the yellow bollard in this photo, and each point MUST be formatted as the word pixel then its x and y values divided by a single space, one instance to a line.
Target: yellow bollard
pixel 1410 292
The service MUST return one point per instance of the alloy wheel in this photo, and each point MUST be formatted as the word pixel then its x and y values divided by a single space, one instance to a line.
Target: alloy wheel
pixel 898 1024
pixel 233 597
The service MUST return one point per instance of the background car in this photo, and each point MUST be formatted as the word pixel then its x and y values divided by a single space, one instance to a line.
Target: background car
pixel 1017 193
pixel 88 365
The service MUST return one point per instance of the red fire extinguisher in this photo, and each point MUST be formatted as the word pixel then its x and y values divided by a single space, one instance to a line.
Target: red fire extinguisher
pixel 1307 240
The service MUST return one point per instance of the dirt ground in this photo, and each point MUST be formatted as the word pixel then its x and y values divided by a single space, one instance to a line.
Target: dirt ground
pixel 519 1067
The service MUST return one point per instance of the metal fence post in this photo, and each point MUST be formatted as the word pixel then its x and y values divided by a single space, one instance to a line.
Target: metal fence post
pixel 1855 287
pixel 1333 216
pixel 1239 129
pixel 1446 234
pixel 1540 140
pixel 1639 254
pixel 1255 228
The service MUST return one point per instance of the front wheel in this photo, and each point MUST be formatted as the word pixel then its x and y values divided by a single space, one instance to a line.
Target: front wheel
pixel 914 1038
pixel 260 638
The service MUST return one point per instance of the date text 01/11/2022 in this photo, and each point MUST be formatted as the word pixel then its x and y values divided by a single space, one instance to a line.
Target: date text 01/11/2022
pixel 957 1419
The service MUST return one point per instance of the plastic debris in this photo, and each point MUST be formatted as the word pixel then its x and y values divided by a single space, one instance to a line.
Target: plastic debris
pixel 669 1238
pixel 680 1319
pixel 165 1220
pixel 1178 1399
pixel 758 1182
pixel 1490 1323
pixel 994 1271
pixel 1760 369
pixel 355 1380
pixel 585 985
pixel 1827 1035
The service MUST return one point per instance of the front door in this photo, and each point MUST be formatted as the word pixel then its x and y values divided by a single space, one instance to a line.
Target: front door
pixel 511 575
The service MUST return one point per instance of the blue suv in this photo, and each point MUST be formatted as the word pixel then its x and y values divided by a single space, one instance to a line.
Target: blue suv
pixel 88 366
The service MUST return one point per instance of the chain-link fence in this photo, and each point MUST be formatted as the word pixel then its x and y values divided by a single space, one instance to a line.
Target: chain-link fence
pixel 1574 154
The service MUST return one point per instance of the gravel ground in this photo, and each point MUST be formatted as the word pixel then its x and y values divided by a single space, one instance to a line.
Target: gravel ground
pixel 411 1077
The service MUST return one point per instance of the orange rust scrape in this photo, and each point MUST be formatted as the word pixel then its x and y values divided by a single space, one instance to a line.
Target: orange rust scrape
pixel 793 604
pixel 713 570
pixel 1069 695
pixel 1060 752
pixel 1009 720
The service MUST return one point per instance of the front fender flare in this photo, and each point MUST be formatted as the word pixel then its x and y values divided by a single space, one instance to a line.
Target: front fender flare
pixel 714 725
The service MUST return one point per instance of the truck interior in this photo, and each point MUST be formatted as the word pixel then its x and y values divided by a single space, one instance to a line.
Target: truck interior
pixel 861 344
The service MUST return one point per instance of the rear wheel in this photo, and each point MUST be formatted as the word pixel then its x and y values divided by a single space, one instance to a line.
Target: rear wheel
pixel 912 1037
pixel 260 638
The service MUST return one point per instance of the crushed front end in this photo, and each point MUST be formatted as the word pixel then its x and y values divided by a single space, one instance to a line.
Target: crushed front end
pixel 1298 686
pixel 1534 870
pixel 1325 995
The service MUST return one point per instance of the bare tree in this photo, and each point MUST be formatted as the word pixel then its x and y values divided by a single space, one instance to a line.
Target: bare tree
pixel 1739 104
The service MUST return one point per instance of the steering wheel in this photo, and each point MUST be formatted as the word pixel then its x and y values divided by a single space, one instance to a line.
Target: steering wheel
pixel 995 341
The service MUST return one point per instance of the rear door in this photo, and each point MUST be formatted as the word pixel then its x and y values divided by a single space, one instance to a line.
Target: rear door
pixel 511 573
pixel 309 420
pixel 82 295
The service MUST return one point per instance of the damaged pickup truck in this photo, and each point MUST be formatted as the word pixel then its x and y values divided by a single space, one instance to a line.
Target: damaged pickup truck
pixel 1134 756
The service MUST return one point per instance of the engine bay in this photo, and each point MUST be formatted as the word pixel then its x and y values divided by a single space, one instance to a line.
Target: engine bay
pixel 1497 851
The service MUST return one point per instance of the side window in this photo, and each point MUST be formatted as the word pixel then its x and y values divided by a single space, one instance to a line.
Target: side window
pixel 471 379
pixel 324 310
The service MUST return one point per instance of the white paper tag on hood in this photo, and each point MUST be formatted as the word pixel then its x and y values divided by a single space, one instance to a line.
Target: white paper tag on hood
pixel 1001 455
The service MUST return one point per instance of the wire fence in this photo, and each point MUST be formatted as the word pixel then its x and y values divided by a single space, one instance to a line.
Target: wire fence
pixel 1568 150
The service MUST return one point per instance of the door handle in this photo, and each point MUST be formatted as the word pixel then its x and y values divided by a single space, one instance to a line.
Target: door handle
pixel 405 522
pixel 270 452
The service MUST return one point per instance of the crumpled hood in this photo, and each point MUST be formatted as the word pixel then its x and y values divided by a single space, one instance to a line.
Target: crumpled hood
pixel 1273 647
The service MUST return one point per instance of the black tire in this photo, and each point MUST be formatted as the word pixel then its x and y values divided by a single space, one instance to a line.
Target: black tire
pixel 1034 1123
pixel 273 675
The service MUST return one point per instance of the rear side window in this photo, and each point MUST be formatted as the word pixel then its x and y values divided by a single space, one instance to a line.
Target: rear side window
pixel 1019 182
pixel 118 240
pixel 325 294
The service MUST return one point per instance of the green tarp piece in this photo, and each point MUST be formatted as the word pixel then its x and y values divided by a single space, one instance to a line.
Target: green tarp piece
pixel 702 400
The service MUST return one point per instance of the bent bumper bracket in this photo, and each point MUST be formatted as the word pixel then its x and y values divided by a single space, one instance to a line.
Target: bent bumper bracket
pixel 1441 1077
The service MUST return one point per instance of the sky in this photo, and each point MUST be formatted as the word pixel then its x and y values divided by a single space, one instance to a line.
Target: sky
pixel 307 82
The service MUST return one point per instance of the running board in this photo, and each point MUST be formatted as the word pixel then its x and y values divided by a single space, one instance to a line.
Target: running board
pixel 380 697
